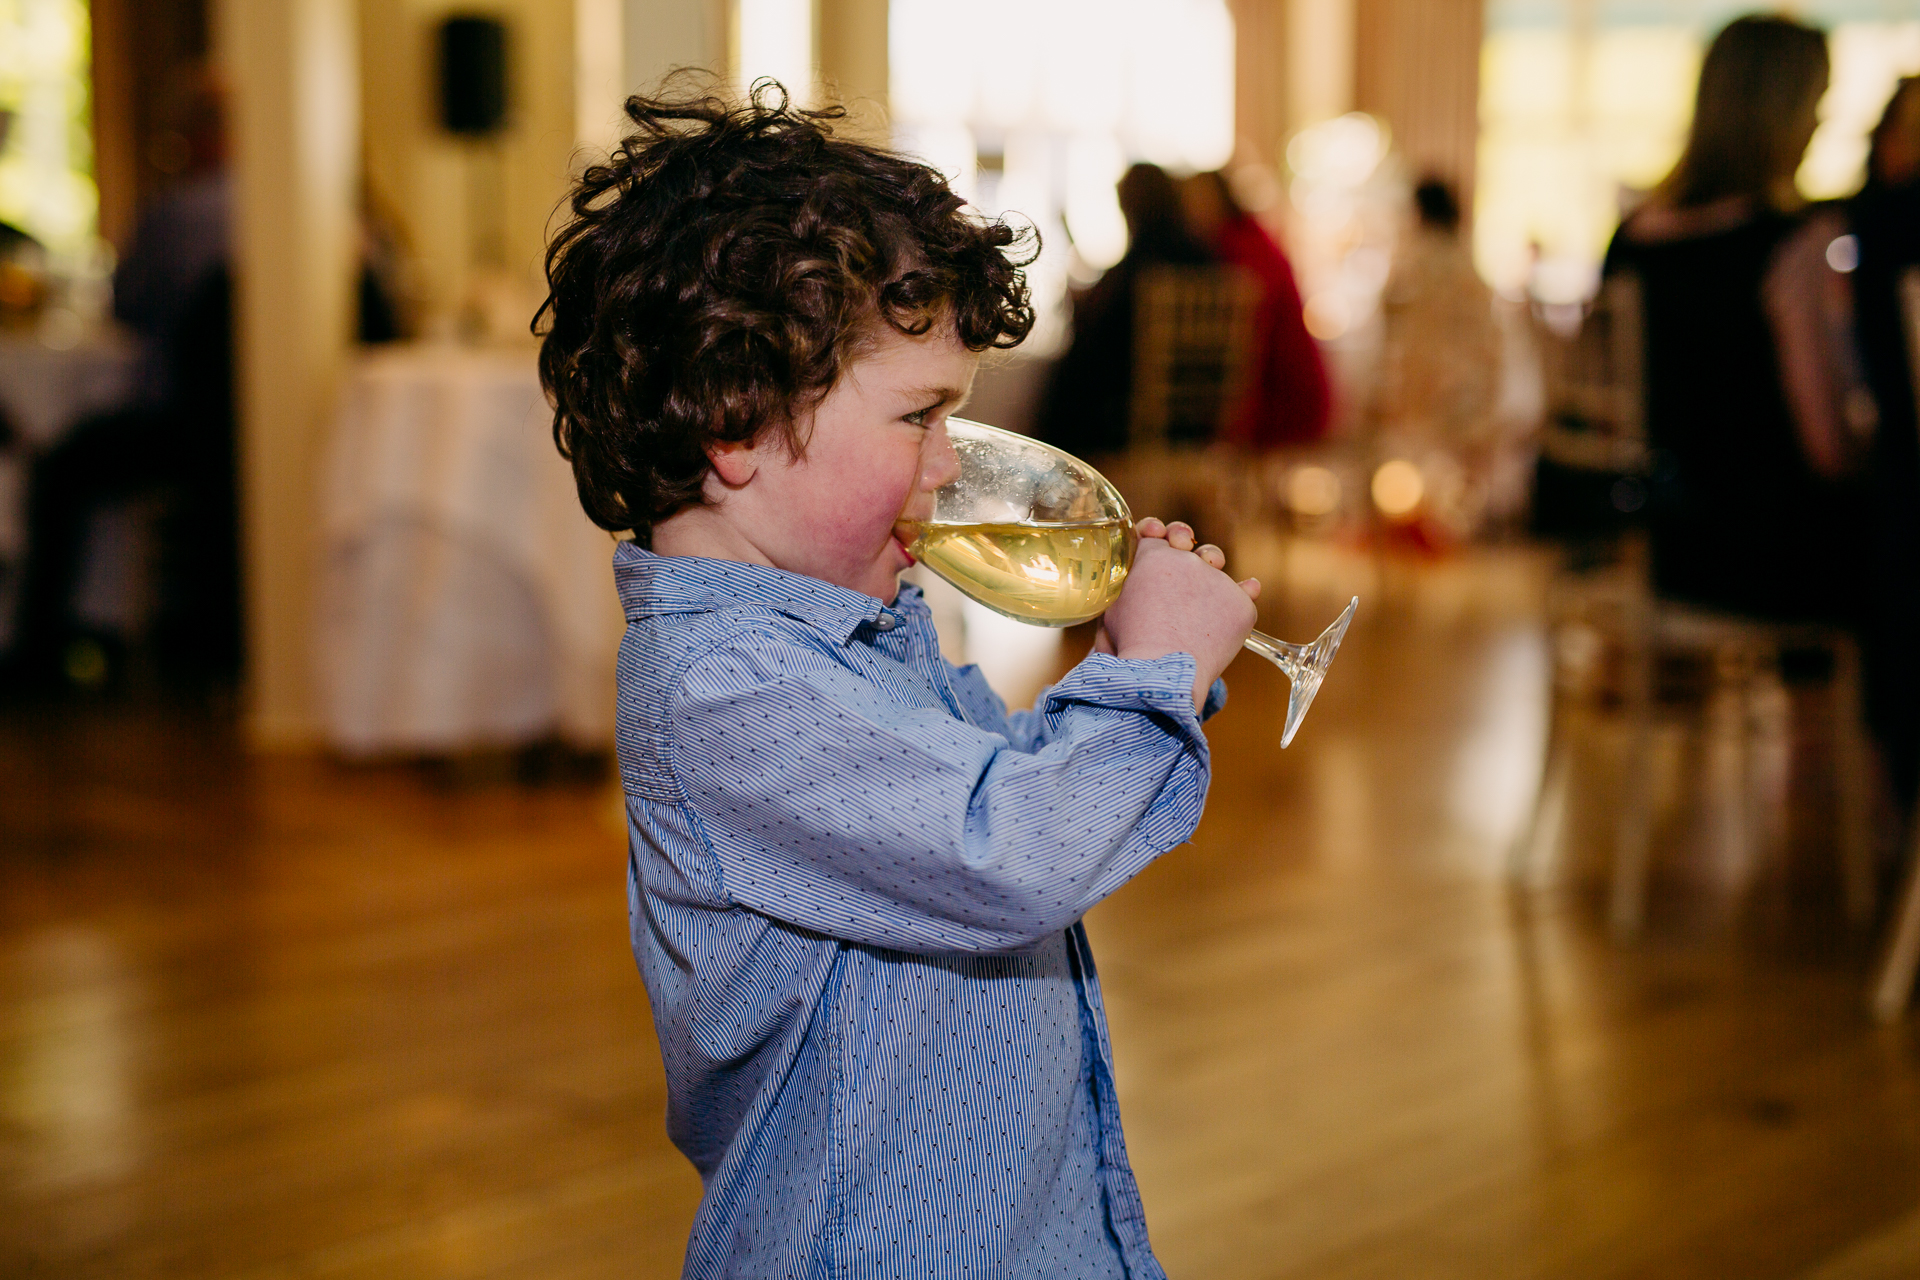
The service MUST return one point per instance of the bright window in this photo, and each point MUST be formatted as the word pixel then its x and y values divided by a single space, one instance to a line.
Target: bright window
pixel 1584 103
pixel 46 181
pixel 1039 112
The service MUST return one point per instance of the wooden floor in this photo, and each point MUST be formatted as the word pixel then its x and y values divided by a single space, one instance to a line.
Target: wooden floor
pixel 277 1018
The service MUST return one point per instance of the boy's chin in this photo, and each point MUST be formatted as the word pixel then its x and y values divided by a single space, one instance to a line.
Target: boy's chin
pixel 881 578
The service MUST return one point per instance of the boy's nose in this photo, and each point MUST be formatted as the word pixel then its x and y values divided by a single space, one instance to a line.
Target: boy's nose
pixel 940 463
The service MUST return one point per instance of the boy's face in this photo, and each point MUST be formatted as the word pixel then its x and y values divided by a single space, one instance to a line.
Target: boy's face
pixel 876 448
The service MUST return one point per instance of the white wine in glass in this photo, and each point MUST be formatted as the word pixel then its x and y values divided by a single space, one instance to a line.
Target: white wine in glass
pixel 1051 573
pixel 1040 536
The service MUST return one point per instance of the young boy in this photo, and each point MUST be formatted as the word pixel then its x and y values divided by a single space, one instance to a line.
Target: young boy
pixel 855 881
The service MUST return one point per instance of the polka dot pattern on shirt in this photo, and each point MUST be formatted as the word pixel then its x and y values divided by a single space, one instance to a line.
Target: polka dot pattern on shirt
pixel 855 887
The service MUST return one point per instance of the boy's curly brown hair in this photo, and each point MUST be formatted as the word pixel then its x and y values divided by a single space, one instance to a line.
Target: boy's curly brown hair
pixel 722 268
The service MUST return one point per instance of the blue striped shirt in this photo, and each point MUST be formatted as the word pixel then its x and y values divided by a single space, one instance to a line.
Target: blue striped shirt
pixel 855 887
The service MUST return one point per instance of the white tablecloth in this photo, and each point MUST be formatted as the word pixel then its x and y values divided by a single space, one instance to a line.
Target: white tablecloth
pixel 466 601
pixel 45 392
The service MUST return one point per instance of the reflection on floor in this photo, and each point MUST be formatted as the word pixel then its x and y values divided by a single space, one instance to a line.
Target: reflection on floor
pixel 280 1018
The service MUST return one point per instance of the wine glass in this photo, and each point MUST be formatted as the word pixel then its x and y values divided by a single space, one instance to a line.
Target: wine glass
pixel 1040 536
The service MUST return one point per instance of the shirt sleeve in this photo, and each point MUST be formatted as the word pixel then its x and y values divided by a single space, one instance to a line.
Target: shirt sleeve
pixel 1032 730
pixel 832 807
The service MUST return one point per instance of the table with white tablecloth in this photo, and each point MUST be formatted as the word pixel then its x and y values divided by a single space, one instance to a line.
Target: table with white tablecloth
pixel 466 601
pixel 45 391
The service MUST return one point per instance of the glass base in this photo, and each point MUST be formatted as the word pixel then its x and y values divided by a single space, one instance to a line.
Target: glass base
pixel 1305 664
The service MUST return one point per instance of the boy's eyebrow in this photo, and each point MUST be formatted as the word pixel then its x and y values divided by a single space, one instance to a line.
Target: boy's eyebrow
pixel 937 396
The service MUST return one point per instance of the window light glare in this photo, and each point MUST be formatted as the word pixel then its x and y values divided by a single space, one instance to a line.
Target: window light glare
pixel 1094 165
pixel 1341 153
pixel 1046 123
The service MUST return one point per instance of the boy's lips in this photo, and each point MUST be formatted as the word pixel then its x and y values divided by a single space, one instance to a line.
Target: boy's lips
pixel 906 532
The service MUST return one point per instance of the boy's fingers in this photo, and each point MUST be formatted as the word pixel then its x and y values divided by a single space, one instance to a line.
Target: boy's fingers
pixel 1180 536
pixel 1252 587
pixel 1212 555
pixel 1150 527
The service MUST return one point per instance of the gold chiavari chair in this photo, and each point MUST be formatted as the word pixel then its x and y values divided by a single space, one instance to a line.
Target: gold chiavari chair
pixel 1192 339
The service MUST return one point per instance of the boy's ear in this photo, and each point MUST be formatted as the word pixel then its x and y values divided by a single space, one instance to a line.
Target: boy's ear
pixel 733 461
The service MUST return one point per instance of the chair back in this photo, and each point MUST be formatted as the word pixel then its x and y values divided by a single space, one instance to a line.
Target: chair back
pixel 1595 385
pixel 1192 342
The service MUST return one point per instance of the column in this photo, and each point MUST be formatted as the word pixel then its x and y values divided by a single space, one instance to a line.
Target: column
pixel 293 72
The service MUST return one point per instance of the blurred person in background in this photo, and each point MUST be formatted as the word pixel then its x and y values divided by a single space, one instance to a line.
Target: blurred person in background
pixel 1085 407
pixel 180 243
pixel 1747 417
pixel 1439 384
pixel 1885 221
pixel 173 445
pixel 1288 399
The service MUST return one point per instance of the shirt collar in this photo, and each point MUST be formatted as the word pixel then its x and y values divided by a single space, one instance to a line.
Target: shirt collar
pixel 651 585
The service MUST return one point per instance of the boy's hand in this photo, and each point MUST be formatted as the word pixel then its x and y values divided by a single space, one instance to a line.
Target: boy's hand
pixel 1177 600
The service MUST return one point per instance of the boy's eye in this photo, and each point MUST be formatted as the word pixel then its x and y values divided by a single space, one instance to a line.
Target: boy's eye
pixel 919 417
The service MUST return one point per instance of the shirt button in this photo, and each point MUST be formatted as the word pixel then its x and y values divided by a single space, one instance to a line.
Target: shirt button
pixel 885 622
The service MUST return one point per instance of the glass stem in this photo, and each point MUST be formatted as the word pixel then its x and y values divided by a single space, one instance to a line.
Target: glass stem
pixel 1287 657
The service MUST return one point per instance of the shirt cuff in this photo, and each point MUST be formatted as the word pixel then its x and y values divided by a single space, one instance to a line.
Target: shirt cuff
pixel 1163 685
pixel 1216 699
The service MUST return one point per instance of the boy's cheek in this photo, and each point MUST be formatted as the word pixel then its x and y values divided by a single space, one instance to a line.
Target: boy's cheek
pixel 858 525
pixel 872 509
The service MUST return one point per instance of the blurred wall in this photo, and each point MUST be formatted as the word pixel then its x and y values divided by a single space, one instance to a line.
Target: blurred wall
pixel 1418 68
pixel 1413 63
pixel 473 213
pixel 1262 115
pixel 853 62
pixel 664 34
pixel 1293 66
